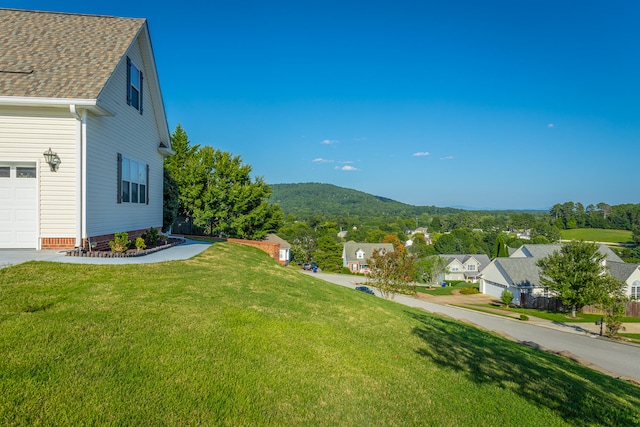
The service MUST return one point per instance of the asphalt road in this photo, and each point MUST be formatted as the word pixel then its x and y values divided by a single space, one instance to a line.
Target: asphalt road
pixel 618 359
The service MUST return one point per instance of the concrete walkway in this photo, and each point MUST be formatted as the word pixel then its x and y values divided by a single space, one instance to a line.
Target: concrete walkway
pixel 615 358
pixel 182 251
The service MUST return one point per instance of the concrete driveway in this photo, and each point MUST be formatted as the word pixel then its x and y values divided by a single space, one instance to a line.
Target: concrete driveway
pixel 186 250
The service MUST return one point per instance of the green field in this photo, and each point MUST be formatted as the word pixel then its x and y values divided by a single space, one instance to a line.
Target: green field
pixel 598 235
pixel 231 338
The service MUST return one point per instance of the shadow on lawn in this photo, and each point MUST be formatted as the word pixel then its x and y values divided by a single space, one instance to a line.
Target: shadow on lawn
pixel 579 395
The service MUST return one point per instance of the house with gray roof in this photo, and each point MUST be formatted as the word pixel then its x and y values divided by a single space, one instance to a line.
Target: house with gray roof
pixel 629 274
pixel 464 267
pixel 83 130
pixel 284 251
pixel 355 255
pixel 519 273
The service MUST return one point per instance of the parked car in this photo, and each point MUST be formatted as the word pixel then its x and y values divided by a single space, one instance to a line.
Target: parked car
pixel 309 265
pixel 365 289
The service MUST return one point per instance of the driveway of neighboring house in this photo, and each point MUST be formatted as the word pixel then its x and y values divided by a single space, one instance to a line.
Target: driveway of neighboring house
pixel 186 250
pixel 572 340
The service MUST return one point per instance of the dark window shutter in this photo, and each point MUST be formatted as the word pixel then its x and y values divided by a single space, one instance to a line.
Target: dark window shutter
pixel 128 81
pixel 148 184
pixel 119 198
pixel 141 95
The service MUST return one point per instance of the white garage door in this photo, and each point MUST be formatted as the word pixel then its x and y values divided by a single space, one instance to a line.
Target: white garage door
pixel 493 290
pixel 18 205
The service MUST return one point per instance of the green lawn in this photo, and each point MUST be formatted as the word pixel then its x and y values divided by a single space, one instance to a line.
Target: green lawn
pixel 448 290
pixel 598 235
pixel 556 316
pixel 231 338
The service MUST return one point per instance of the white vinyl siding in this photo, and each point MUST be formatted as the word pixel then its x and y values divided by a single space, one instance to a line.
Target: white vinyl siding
pixel 136 137
pixel 25 134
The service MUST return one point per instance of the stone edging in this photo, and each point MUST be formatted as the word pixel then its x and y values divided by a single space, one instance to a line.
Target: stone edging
pixel 173 241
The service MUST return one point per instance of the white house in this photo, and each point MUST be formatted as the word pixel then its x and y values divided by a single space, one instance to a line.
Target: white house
pixel 355 255
pixel 464 267
pixel 284 251
pixel 519 274
pixel 83 130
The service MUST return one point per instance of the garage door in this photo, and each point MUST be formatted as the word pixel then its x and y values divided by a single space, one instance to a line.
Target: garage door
pixel 493 289
pixel 18 205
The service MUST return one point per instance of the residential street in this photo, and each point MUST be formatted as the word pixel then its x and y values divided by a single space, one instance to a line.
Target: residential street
pixel 619 359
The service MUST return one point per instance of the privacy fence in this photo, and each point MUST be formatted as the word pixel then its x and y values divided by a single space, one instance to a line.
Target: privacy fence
pixel 632 308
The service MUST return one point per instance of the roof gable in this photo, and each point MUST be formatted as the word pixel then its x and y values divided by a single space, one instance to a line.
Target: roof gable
pixel 61 55
pixel 351 248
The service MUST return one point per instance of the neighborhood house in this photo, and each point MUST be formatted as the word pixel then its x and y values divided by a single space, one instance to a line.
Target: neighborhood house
pixel 519 274
pixel 464 267
pixel 83 131
pixel 355 255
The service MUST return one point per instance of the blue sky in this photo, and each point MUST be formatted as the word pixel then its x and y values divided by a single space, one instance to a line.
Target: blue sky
pixel 494 104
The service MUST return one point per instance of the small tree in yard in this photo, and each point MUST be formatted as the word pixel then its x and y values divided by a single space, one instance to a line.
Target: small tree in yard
pixel 391 272
pixel 577 275
pixel 506 297
pixel 429 269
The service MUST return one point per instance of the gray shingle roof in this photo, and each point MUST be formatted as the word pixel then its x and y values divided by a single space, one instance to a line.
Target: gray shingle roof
pixel 61 55
pixel 541 251
pixel 351 247
pixel 274 238
pixel 521 272
pixel 481 258
pixel 621 270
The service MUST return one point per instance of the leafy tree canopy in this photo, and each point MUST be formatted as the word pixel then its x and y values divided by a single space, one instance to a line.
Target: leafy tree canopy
pixel 577 274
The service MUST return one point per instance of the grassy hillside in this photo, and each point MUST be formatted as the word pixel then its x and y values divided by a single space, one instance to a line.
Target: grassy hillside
pixel 232 338
pixel 598 235
pixel 306 199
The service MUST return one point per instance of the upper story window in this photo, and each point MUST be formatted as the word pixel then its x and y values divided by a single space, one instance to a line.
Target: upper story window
pixel 471 267
pixel 360 254
pixel 134 85
pixel 132 181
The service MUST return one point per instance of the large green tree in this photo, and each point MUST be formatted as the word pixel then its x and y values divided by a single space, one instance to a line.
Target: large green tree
pixel 576 273
pixel 328 254
pixel 218 192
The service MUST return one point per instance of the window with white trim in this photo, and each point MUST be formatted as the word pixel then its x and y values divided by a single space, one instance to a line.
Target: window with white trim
pixel 133 180
pixel 635 290
pixel 134 86
pixel 471 267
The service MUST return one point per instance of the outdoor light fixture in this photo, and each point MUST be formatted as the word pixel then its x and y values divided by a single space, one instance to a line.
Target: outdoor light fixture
pixel 52 159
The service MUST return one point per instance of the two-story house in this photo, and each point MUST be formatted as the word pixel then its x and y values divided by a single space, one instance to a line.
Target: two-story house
pixel 83 131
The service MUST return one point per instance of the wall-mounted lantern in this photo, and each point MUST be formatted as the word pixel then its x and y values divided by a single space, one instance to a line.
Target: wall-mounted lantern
pixel 52 159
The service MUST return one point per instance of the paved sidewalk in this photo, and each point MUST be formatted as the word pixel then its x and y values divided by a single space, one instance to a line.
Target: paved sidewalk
pixel 186 250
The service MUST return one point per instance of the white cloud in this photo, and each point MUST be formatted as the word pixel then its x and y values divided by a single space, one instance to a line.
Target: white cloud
pixel 321 160
pixel 446 158
pixel 346 168
pixel 346 162
pixel 551 125
pixel 421 154
pixel 329 141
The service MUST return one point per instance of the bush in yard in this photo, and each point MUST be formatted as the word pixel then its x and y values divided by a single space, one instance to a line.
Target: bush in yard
pixel 345 270
pixel 120 242
pixel 524 317
pixel 469 290
pixel 140 245
pixel 506 297
pixel 151 237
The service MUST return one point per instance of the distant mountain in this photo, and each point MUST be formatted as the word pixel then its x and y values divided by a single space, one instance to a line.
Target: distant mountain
pixel 307 199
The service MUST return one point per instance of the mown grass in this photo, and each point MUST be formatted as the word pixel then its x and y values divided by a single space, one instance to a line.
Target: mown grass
pixel 447 290
pixel 555 316
pixel 231 338
pixel 598 235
